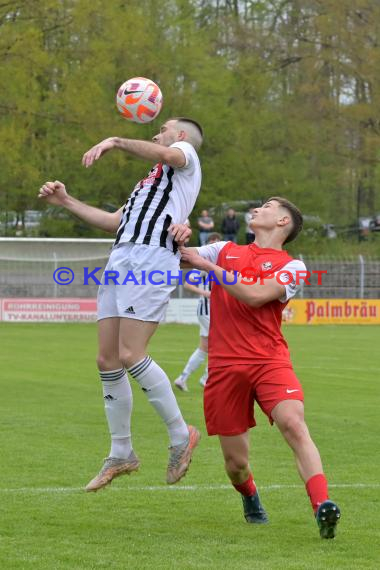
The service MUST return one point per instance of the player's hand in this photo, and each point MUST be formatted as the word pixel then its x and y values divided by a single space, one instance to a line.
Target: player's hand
pixel 54 193
pixel 181 233
pixel 206 294
pixel 194 259
pixel 97 151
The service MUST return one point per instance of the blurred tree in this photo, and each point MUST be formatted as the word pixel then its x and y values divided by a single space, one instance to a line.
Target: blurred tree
pixel 287 92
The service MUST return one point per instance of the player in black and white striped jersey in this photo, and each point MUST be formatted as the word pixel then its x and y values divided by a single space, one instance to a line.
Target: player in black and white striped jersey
pixel 166 196
pixel 148 229
pixel 203 289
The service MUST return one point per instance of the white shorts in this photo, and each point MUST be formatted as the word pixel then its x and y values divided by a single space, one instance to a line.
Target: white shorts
pixel 204 324
pixel 137 298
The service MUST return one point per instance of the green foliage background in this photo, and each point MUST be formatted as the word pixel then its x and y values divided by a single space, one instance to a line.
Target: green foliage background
pixel 287 92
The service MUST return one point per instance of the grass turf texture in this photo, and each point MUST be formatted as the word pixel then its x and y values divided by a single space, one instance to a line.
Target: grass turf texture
pixel 54 437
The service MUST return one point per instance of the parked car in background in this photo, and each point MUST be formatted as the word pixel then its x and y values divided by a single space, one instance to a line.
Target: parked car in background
pixel 375 223
pixel 8 221
pixel 32 219
pixel 364 224
pixel 28 223
pixel 330 231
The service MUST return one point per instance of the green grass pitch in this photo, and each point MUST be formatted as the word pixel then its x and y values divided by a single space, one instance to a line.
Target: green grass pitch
pixel 54 439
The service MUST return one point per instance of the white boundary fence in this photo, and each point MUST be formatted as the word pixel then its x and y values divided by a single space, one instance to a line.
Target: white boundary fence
pixel 27 287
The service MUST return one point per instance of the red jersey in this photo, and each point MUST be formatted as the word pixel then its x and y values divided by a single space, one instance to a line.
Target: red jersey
pixel 240 334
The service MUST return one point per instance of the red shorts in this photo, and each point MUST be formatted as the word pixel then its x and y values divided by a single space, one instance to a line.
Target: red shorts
pixel 231 391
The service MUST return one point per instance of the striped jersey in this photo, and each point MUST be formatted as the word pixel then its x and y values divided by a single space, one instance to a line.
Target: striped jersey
pixel 166 196
pixel 203 308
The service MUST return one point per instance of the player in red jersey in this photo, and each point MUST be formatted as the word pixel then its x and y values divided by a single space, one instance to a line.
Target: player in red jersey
pixel 249 359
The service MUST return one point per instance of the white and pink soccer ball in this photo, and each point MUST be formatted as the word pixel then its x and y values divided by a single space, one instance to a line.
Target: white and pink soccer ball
pixel 139 100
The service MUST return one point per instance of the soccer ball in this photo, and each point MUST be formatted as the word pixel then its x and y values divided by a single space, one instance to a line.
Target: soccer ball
pixel 139 100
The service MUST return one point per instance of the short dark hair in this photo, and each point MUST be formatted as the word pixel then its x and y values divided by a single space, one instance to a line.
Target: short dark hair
pixel 295 214
pixel 187 120
pixel 213 236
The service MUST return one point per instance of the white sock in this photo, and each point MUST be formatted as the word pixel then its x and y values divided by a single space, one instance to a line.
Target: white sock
pixel 156 385
pixel 204 377
pixel 118 403
pixel 121 448
pixel 193 363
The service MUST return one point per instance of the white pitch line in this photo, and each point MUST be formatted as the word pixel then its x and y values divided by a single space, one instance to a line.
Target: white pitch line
pixel 42 490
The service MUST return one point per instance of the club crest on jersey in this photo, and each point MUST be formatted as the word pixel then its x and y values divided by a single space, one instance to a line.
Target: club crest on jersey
pixel 266 265
pixel 154 174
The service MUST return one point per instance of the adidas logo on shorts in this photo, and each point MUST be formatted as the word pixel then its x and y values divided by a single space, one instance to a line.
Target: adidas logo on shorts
pixel 130 310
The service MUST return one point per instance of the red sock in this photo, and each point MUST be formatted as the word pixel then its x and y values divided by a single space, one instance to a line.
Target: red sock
pixel 316 488
pixel 248 488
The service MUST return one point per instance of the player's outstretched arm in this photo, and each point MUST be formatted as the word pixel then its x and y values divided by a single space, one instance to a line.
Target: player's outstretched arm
pixel 191 258
pixel 142 149
pixel 251 292
pixel 55 193
pixel 254 294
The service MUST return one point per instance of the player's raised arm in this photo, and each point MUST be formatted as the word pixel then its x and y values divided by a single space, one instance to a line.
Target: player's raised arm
pixel 55 193
pixel 142 149
pixel 164 148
